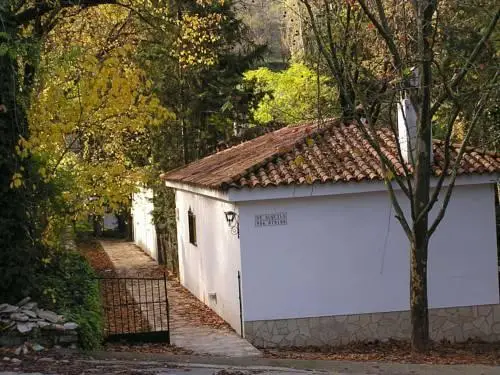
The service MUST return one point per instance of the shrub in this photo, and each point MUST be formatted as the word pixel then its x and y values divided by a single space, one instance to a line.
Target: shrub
pixel 291 95
pixel 67 284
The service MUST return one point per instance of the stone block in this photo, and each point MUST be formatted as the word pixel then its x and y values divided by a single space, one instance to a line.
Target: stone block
pixel 291 336
pixel 70 326
pixel 442 313
pixel 448 325
pixel 458 334
pixel 391 316
pixel 258 342
pixel 299 341
pixel 496 328
pixel 327 337
pixel 341 318
pixel 489 319
pixel 437 322
pixel 364 320
pixel 313 322
pixel 484 310
pixel 468 327
pixel 485 328
pixel 283 330
pixel 19 317
pixel 479 322
pixel 248 329
pixel 496 313
pixel 344 340
pixel 325 320
pixel 281 323
pixel 372 327
pixel 304 327
pixel 276 339
pixel 353 318
pixel 351 328
pixel 67 339
pixel 50 316
pixel 466 312
pixel 292 325
pixel 437 336
pixel 313 341
pixel 270 324
pixel 266 335
pixel 404 324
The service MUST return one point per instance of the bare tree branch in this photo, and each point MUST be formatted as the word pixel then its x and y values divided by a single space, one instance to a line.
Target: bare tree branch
pixel 449 131
pixel 398 62
pixel 457 79
pixel 43 7
pixel 480 109
pixel 78 132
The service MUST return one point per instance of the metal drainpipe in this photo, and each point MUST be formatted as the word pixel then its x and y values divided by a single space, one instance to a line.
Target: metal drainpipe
pixel 241 308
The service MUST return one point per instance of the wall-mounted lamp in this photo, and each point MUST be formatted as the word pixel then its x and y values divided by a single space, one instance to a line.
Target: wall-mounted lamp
pixel 233 222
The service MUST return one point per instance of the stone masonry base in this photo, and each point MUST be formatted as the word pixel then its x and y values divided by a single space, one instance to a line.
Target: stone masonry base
pixel 452 324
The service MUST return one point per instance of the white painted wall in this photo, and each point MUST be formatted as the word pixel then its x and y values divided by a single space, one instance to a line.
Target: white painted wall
pixel 143 226
pixel 212 265
pixel 346 254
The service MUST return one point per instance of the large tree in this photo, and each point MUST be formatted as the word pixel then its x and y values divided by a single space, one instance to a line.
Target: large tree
pixel 379 51
pixel 92 105
pixel 24 25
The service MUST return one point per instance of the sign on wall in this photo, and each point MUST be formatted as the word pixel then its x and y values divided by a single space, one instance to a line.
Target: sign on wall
pixel 268 220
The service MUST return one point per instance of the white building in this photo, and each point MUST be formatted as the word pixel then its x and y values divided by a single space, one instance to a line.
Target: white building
pixel 303 216
pixel 143 227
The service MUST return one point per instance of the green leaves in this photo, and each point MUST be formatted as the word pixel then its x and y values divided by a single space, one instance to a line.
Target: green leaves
pixel 291 95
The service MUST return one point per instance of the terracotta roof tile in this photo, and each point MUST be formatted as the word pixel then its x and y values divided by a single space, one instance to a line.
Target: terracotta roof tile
pixel 310 153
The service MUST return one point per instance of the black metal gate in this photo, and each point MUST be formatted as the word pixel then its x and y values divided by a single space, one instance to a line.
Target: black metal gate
pixel 136 309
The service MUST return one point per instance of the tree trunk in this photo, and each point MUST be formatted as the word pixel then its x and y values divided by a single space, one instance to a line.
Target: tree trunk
pixel 130 226
pixel 421 98
pixel 418 293
pixel 17 250
pixel 97 226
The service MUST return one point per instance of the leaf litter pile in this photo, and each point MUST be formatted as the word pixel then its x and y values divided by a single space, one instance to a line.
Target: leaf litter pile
pixel 186 307
pixel 443 353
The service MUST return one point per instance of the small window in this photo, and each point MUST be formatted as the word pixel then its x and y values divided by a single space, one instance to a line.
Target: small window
pixel 192 227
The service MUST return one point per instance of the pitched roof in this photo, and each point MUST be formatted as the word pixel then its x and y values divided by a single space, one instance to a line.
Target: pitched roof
pixel 311 153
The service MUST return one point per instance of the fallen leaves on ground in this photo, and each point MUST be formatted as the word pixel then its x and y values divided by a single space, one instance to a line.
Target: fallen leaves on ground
pixel 97 257
pixel 471 352
pixel 121 314
pixel 184 306
pixel 187 307
pixel 63 362
pixel 147 348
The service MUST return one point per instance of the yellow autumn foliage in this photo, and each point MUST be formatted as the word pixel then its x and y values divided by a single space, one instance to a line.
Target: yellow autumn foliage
pixel 90 103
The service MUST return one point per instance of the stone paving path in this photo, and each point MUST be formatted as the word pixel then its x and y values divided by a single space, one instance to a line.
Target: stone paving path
pixel 130 261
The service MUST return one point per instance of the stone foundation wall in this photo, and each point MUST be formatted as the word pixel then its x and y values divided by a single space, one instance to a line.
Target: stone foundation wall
pixel 46 338
pixel 453 324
